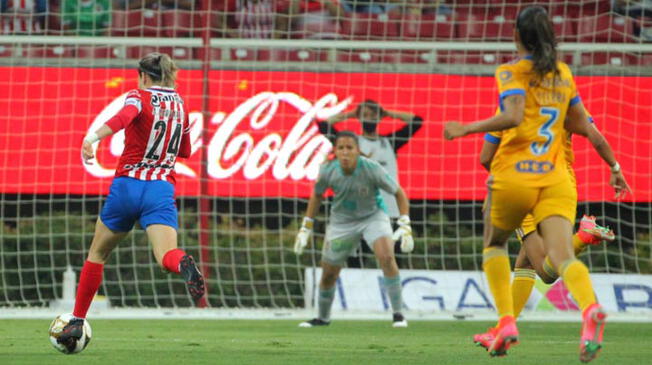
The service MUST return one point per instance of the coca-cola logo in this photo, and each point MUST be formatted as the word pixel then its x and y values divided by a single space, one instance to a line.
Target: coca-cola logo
pixel 296 155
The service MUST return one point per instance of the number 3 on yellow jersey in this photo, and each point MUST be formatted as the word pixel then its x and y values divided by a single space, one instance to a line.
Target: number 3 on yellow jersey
pixel 539 148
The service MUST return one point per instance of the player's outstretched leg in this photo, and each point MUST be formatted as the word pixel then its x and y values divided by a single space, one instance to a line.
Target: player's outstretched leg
pixel 593 320
pixel 384 250
pixel 90 279
pixel 175 260
pixel 578 282
pixel 589 233
pixel 324 304
pixel 522 284
pixel 506 335
pixel 498 273
pixel 327 286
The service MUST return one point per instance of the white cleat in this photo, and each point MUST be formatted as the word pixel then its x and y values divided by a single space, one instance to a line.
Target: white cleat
pixel 399 321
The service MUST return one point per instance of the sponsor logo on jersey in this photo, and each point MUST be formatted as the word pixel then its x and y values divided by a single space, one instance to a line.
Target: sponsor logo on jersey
pixel 363 190
pixel 147 165
pixel 534 167
pixel 157 99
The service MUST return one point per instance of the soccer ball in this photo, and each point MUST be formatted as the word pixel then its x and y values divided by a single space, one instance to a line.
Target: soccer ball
pixel 55 330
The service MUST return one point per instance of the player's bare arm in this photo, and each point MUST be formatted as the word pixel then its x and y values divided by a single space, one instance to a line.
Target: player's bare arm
pixel 87 146
pixel 341 117
pixel 511 117
pixel 402 201
pixel 577 122
pixel 313 205
pixel 406 117
pixel 487 154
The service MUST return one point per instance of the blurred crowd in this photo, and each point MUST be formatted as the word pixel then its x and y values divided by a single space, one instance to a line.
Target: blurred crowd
pixel 314 19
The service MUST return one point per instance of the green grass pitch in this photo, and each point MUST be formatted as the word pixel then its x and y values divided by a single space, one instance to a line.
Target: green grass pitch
pixel 344 342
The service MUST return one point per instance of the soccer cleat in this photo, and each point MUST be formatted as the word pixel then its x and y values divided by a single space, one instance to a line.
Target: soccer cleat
pixel 192 276
pixel 593 320
pixel 506 336
pixel 399 321
pixel 591 233
pixel 71 333
pixel 315 322
pixel 485 339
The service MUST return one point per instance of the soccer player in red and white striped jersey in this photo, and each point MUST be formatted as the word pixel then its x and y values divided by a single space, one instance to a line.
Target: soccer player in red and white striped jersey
pixel 156 132
pixel 156 124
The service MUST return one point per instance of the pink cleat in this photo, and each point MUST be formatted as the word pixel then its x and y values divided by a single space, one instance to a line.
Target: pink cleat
pixel 485 339
pixel 506 336
pixel 591 233
pixel 593 320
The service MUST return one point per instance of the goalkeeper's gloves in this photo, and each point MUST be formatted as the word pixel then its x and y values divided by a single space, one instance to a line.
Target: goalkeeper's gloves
pixel 303 236
pixel 404 232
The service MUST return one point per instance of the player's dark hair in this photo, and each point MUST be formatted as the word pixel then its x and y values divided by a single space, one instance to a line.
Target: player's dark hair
pixel 538 37
pixel 160 68
pixel 342 134
pixel 346 134
pixel 371 104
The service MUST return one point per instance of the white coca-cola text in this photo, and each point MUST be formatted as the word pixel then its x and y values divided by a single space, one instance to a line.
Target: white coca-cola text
pixel 296 155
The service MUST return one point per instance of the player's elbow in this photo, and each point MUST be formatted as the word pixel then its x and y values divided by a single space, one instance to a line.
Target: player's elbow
pixel 594 136
pixel 598 142
pixel 485 162
pixel 513 120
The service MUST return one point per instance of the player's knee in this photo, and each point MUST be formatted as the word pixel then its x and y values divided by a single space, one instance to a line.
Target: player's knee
pixel 328 279
pixel 98 255
pixel 385 259
pixel 523 264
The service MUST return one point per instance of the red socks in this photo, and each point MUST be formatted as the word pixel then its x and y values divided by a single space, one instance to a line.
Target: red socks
pixel 89 281
pixel 172 258
pixel 91 278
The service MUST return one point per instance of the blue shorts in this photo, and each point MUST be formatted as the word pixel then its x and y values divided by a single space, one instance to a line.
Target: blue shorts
pixel 150 202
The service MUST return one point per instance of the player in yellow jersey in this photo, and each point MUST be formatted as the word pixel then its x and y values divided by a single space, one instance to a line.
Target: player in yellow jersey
pixel 529 174
pixel 532 259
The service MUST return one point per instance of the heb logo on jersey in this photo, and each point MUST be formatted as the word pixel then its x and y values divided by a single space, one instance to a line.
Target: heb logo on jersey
pixel 534 167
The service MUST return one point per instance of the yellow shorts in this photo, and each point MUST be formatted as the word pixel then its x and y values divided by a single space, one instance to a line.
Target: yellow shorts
pixel 510 203
pixel 528 226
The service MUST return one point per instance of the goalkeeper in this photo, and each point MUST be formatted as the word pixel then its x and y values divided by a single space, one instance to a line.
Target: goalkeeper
pixel 357 211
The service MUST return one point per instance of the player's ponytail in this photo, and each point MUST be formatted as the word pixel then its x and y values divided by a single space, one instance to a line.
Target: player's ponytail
pixel 160 68
pixel 169 71
pixel 538 37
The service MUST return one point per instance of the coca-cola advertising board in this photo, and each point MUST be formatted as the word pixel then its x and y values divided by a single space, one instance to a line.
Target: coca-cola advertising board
pixel 262 139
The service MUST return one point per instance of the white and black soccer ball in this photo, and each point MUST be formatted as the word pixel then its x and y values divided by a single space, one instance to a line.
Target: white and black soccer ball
pixel 55 331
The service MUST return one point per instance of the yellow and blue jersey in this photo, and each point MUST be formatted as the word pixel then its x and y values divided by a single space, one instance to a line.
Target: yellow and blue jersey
pixel 534 153
pixel 496 137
